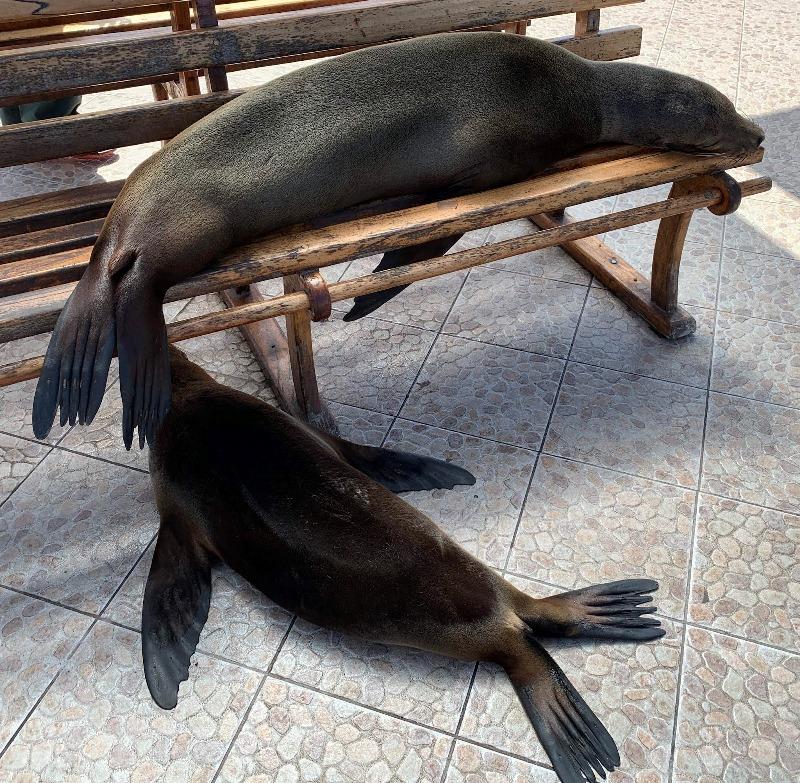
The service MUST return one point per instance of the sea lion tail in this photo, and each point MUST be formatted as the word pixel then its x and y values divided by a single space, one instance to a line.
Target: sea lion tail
pixel 400 471
pixel 369 303
pixel 175 609
pixel 78 357
pixel 573 737
pixel 620 611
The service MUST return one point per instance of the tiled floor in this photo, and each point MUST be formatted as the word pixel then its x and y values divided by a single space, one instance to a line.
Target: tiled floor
pixel 601 452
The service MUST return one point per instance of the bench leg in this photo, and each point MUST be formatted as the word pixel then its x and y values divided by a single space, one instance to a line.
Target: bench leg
pixel 287 360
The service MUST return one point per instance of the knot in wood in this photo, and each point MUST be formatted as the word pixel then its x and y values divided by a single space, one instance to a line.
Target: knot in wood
pixel 319 297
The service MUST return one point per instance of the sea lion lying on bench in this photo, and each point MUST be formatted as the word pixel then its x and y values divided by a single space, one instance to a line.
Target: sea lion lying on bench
pixel 440 115
pixel 306 518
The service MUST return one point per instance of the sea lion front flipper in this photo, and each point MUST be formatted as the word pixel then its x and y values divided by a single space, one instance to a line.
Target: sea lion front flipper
pixel 573 737
pixel 364 305
pixel 399 471
pixel 174 611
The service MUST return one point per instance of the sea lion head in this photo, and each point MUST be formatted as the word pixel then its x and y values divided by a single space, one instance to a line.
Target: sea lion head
pixel 652 107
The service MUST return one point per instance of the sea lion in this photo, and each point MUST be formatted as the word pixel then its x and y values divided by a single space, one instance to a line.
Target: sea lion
pixel 307 519
pixel 439 115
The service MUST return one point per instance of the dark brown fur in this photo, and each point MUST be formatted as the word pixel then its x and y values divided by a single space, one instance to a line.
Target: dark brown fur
pixel 289 509
pixel 440 115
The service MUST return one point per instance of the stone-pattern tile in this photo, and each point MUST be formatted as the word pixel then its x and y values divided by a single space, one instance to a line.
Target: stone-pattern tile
pixel 632 689
pixel 368 363
pixel 746 572
pixel 361 426
pixel 73 530
pixel 765 227
pixel 18 458
pixel 757 359
pixel 35 640
pixel 552 263
pixel 473 764
pixel 517 311
pixel 760 286
pixel 613 336
pixel 482 517
pixel 411 684
pixel 221 353
pixel 98 722
pixel 294 734
pixel 583 525
pixel 243 624
pixel 739 715
pixel 485 390
pixel 638 425
pixel 699 269
pixel 752 452
pixel 424 304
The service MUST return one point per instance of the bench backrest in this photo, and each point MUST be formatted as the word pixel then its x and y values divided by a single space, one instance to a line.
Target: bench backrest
pixel 53 70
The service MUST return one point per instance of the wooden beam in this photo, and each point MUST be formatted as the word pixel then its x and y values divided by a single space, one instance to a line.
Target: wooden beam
pixel 44 244
pixel 33 141
pixel 30 73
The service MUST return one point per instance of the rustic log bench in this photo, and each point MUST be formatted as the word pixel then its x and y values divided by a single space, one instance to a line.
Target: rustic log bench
pixel 46 240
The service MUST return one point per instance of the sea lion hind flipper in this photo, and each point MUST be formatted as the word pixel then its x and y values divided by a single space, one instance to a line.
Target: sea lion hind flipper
pixel 175 608
pixel 400 471
pixel 620 611
pixel 78 357
pixel 573 737
pixel 369 303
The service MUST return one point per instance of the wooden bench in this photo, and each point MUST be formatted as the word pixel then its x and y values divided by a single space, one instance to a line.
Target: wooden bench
pixel 46 240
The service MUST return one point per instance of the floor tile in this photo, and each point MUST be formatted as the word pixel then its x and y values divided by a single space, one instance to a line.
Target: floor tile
pixel 752 452
pixel 552 262
pixel 485 390
pixel 35 640
pixel 746 572
pixel 637 425
pixel 765 227
pixel 517 311
pixel 760 286
pixel 739 714
pixel 243 625
pixel 757 359
pixel 482 518
pixel 98 722
pixel 361 426
pixel 473 764
pixel 631 688
pixel 18 458
pixel 73 530
pixel 583 525
pixel 368 363
pixel 411 684
pixel 424 304
pixel 614 336
pixel 294 734
pixel 699 269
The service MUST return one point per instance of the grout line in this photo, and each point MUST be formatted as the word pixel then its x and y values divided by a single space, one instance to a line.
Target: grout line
pixel 50 601
pixel 252 702
pixel 32 470
pixel 460 721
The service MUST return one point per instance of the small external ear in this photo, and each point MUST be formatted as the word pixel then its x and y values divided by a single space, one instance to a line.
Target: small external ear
pixel 175 609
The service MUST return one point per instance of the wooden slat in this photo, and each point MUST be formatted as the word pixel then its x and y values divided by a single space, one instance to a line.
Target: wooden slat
pixel 290 252
pixel 49 241
pixel 613 44
pixel 29 73
pixel 34 213
pixel 32 141
pixel 22 9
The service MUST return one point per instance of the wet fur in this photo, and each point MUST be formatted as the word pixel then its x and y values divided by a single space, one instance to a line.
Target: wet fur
pixel 441 114
pixel 291 510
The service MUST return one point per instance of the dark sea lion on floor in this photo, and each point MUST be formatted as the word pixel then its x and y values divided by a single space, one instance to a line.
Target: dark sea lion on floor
pixel 307 519
pixel 437 115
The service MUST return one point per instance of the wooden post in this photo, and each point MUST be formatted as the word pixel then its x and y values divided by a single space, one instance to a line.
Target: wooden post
pixel 672 235
pixel 188 83
pixel 587 22
pixel 205 14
